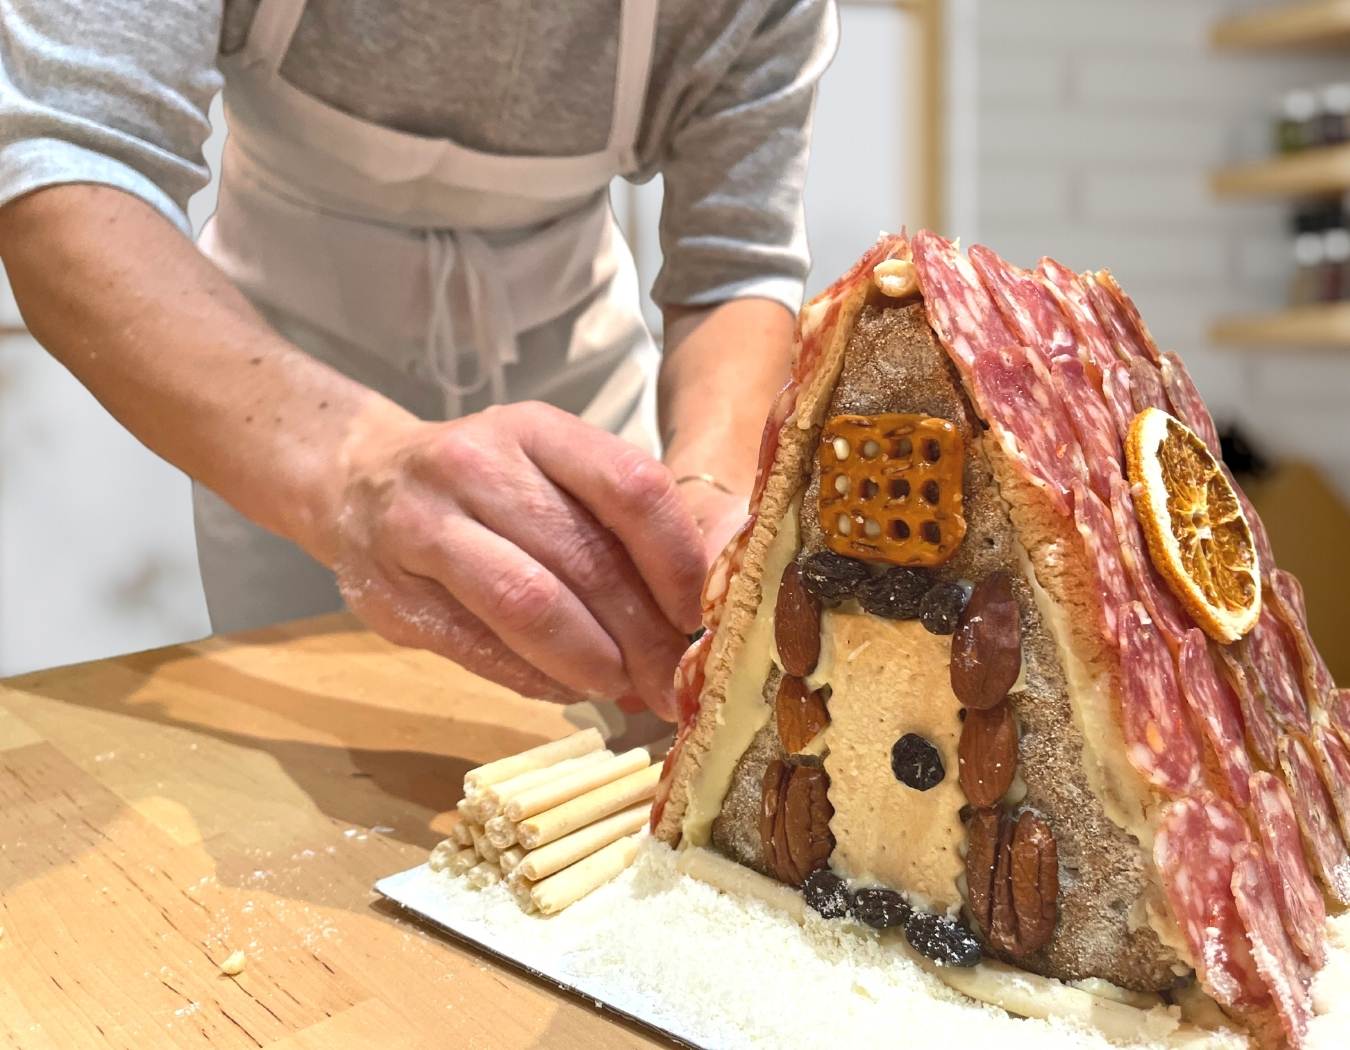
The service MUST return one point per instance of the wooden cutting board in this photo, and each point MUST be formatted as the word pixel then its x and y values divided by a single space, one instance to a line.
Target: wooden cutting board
pixel 160 810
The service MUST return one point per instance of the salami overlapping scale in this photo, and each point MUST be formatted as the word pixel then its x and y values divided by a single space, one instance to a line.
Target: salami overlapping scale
pixel 1161 604
pixel 1092 423
pixel 1269 653
pixel 1265 554
pixel 1194 850
pixel 1285 593
pixel 1339 714
pixel 961 311
pixel 1316 817
pixel 1027 304
pixel 1094 345
pixel 1092 519
pixel 1276 959
pixel 1262 733
pixel 1146 386
pixel 1119 316
pixel 1117 390
pixel 1012 393
pixel 1216 711
pixel 1333 756
pixel 1187 404
pixel 1300 901
pixel 1159 740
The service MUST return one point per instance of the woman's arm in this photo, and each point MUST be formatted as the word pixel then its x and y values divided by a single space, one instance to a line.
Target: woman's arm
pixel 721 370
pixel 533 548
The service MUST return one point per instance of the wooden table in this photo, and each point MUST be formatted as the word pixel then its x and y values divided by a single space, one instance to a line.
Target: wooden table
pixel 160 810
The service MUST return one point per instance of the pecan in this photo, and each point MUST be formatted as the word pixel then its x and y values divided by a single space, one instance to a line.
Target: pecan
pixel 795 820
pixel 987 754
pixel 981 860
pixel 987 645
pixel 1035 882
pixel 1002 915
pixel 808 812
pixel 796 624
pixel 800 713
pixel 771 799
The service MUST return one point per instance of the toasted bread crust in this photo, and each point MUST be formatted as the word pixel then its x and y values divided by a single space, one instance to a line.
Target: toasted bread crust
pixel 791 467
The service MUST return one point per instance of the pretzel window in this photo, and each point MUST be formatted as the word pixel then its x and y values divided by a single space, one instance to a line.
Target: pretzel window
pixel 890 488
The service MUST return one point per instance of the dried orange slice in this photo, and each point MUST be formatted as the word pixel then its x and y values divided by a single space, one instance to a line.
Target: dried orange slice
pixel 1197 535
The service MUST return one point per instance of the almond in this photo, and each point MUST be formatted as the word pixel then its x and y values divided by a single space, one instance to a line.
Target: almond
pixel 987 754
pixel 796 624
pixel 800 713
pixel 1035 882
pixel 987 645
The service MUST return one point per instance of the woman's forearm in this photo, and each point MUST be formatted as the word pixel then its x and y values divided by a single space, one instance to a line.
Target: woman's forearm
pixel 721 370
pixel 158 334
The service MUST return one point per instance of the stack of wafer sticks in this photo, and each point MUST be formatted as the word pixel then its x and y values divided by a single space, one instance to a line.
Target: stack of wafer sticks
pixel 554 822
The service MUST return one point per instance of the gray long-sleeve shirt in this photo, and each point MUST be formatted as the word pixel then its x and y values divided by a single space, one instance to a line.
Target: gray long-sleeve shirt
pixel 116 92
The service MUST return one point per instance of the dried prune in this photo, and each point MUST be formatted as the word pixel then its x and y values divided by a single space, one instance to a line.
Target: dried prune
pixel 827 893
pixel 916 762
pixel 832 577
pixel 880 908
pixel 896 594
pixel 938 938
pixel 940 608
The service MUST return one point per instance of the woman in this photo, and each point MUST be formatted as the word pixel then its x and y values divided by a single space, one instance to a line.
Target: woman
pixel 407 367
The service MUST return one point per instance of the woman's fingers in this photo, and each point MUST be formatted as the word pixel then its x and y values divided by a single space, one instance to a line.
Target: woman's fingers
pixel 524 604
pixel 632 494
pixel 416 612
pixel 562 536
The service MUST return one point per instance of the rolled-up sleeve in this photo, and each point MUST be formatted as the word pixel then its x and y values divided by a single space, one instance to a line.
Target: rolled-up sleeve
pixel 108 91
pixel 732 223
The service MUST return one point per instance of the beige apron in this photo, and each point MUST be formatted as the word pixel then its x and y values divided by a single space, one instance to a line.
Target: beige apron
pixel 446 278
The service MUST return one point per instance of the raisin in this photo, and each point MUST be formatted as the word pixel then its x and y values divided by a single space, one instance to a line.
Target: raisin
pixel 940 608
pixel 832 577
pixel 827 894
pixel 896 594
pixel 916 762
pixel 880 908
pixel 938 938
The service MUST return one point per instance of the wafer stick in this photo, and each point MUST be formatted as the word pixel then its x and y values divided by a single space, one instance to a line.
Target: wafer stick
pixel 460 834
pixel 509 859
pixel 485 849
pixel 483 875
pixel 491 800
pixel 440 856
pixel 501 831
pixel 462 861
pixel 552 793
pixel 521 891
pixel 544 861
pixel 571 884
pixel 585 809
pixel 535 758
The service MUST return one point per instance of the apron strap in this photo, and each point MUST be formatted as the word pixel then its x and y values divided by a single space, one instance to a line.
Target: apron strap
pixel 637 39
pixel 269 37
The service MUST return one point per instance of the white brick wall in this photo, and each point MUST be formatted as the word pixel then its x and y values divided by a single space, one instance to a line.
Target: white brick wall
pixel 1096 124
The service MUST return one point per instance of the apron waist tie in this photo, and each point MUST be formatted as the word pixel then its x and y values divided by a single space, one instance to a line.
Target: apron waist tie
pixel 464 255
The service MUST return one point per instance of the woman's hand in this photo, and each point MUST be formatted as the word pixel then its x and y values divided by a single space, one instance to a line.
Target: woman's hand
pixel 532 548
pixel 719 513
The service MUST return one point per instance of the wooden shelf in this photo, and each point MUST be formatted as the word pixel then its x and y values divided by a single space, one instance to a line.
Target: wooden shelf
pixel 1307 326
pixel 1311 24
pixel 1298 175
